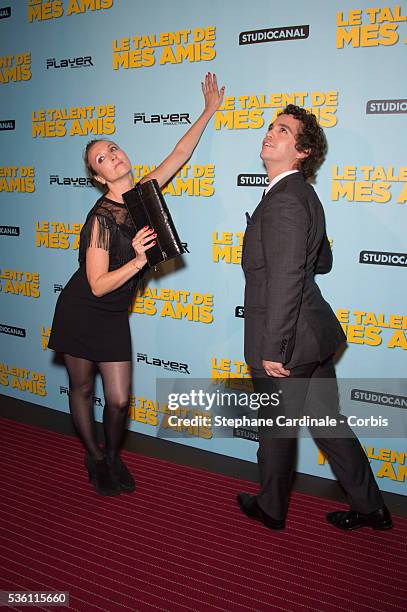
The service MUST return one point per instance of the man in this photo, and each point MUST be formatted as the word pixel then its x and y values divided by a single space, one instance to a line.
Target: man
pixel 291 333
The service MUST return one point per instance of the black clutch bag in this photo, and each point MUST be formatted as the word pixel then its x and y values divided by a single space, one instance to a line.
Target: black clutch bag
pixel 146 206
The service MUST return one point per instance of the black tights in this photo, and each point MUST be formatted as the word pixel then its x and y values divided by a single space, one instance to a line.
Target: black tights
pixel 116 377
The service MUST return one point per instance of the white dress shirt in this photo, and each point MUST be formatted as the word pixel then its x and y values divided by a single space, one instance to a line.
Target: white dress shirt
pixel 278 178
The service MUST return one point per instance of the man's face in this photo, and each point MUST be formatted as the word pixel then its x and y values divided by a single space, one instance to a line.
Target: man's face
pixel 279 143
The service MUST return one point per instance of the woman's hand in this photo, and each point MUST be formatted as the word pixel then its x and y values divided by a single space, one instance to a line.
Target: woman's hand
pixel 141 243
pixel 213 97
pixel 185 147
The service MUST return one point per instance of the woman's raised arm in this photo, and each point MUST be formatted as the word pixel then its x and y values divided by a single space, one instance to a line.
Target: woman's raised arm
pixel 185 147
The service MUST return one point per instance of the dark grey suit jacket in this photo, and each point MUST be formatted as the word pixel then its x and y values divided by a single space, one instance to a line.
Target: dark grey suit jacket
pixel 285 245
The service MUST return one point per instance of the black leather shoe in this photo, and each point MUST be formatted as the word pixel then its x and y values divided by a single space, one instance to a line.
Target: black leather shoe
pixel 248 504
pixel 101 476
pixel 122 475
pixel 379 519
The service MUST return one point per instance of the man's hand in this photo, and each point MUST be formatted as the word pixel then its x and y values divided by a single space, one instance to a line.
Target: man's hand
pixel 274 368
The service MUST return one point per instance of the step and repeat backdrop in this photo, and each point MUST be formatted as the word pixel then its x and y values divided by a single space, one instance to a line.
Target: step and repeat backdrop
pixel 127 70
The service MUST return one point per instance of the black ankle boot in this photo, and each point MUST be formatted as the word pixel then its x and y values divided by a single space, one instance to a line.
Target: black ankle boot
pixel 121 474
pixel 101 476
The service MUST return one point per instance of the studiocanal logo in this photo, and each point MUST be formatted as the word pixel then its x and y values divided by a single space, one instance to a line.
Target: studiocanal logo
pixel 296 32
pixel 76 62
pixel 247 434
pixel 252 180
pixel 386 107
pixel 377 397
pixel 5 12
pixel 163 119
pixel 172 366
pixel 383 258
pixel 12 331
pixel 7 124
pixel 239 312
pixel 68 181
pixel 9 230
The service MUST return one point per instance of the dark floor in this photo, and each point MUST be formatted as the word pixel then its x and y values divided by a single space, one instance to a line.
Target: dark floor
pixel 179 542
pixel 55 420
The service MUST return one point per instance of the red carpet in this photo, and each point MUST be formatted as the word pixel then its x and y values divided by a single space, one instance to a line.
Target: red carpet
pixel 179 542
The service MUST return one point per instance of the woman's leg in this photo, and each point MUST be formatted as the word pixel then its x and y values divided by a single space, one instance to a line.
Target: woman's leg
pixel 116 377
pixel 81 384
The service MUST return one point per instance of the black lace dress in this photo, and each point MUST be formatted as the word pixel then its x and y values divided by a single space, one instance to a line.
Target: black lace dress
pixel 97 328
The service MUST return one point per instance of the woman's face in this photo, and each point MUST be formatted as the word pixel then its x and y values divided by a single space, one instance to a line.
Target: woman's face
pixel 108 161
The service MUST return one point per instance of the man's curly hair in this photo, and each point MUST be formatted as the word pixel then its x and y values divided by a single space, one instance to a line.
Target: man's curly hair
pixel 311 137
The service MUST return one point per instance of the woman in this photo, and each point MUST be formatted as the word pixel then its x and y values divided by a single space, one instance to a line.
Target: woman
pixel 91 326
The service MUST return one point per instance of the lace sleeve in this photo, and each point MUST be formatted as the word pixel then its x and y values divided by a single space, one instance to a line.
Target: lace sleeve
pixel 96 233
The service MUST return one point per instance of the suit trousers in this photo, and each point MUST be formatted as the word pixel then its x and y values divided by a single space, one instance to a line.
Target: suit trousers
pixel 311 390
